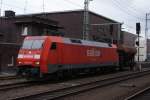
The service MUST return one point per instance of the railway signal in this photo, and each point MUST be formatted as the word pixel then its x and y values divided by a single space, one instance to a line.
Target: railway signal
pixel 137 43
pixel 111 29
pixel 138 29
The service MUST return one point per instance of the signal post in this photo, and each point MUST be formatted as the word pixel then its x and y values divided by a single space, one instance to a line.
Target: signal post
pixel 138 29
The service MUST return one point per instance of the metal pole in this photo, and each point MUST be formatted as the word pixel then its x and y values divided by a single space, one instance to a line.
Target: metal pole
pixel 43 6
pixel 25 7
pixel 86 26
pixel 146 26
pixel 146 32
pixel 118 34
pixel 1 7
pixel 138 49
pixel 146 29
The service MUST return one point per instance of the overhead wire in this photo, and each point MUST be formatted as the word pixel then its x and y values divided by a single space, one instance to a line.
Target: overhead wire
pixel 17 7
pixel 115 2
pixel 139 19
pixel 25 7
pixel 126 11
pixel 123 17
pixel 129 7
pixel 43 6
pixel 134 5
pixel 73 3
pixel 130 27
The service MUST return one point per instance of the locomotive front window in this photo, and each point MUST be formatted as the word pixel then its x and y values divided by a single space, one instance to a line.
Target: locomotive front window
pixel 32 44
pixel 27 44
pixel 37 44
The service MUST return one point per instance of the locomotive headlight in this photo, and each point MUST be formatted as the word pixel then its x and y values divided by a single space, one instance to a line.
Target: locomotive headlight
pixel 20 56
pixel 37 63
pixel 36 56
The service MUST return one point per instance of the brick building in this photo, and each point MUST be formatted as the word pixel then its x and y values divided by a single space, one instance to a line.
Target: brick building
pixel 13 29
pixel 72 21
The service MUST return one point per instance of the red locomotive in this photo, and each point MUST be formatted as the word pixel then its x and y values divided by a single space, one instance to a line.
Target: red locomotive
pixel 42 55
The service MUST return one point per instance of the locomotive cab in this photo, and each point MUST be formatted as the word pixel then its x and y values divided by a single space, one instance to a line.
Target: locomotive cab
pixel 29 57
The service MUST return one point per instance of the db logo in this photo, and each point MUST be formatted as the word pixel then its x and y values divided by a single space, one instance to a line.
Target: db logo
pixel 93 52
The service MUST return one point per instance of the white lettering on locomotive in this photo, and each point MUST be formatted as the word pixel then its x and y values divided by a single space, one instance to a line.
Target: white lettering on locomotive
pixel 93 52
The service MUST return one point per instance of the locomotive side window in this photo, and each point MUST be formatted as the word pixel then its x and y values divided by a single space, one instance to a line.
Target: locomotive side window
pixel 75 41
pixel 53 46
pixel 109 45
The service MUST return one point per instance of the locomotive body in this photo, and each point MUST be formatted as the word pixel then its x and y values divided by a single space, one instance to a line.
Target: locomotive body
pixel 40 55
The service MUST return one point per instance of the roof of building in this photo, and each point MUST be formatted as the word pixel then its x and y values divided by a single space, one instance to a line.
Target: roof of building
pixel 69 11
pixel 36 20
pixel 9 44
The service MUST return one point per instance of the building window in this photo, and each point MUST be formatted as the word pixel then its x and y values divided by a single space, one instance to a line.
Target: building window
pixel 100 29
pixel 24 31
pixel 11 62
pixel 1 37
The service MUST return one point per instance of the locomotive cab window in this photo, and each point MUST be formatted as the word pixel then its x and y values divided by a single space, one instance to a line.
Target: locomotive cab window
pixel 32 44
pixel 53 46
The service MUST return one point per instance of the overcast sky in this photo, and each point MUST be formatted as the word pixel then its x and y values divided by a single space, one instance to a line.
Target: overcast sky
pixel 127 11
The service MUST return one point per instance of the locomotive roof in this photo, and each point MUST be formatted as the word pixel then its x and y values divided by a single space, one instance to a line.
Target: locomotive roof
pixel 73 41
pixel 87 42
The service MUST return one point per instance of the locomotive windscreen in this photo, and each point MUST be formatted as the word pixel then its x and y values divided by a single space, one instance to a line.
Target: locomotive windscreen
pixel 32 44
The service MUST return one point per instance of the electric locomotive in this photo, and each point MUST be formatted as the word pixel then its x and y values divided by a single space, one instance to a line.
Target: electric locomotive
pixel 54 55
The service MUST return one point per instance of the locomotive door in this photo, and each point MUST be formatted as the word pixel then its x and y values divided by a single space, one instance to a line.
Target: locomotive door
pixel 53 56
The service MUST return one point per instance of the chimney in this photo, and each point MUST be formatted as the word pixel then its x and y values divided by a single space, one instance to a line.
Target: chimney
pixel 9 13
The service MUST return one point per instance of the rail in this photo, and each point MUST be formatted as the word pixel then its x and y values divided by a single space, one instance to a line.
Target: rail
pixel 137 93
pixel 6 87
pixel 80 88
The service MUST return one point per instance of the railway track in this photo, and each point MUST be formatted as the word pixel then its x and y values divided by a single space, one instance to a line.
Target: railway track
pixel 7 87
pixel 139 93
pixel 80 88
pixel 9 77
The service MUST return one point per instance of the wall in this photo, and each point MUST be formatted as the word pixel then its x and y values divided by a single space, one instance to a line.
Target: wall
pixel 128 38
pixel 8 55
pixel 73 24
